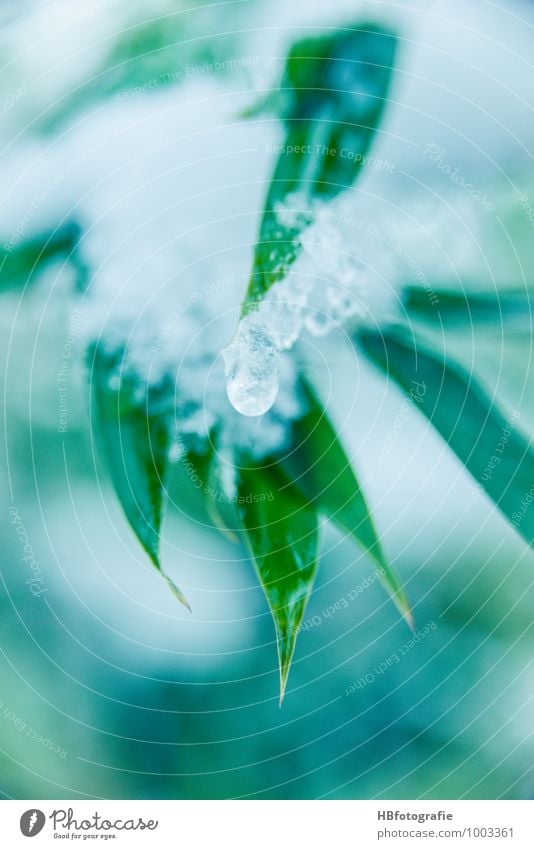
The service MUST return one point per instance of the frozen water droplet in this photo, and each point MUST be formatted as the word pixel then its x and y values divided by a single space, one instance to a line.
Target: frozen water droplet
pixel 251 367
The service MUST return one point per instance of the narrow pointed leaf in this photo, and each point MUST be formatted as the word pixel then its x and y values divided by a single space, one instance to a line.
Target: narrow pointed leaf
pixel 145 53
pixel 320 467
pixel 334 90
pixel 453 307
pixel 281 531
pixel 487 441
pixel 140 60
pixel 135 435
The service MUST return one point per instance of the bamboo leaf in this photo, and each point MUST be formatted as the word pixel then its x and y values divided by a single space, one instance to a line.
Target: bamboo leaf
pixel 320 467
pixel 335 88
pixel 134 430
pixel 140 59
pixel 454 307
pixel 281 531
pixel 486 440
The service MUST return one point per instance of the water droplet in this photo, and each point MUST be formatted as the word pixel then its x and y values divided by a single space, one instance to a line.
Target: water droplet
pixel 251 368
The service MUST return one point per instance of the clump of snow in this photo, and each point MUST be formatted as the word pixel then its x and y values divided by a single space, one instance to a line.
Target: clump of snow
pixel 169 188
pixel 326 287
pixel 177 342
pixel 293 212
pixel 203 408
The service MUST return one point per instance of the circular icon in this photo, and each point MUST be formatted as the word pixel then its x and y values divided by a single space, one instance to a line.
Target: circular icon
pixel 32 822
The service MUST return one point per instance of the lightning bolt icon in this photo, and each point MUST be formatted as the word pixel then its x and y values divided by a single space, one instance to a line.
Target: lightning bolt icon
pixel 33 820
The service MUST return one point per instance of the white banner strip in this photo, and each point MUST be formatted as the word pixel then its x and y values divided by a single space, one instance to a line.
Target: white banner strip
pixel 269 824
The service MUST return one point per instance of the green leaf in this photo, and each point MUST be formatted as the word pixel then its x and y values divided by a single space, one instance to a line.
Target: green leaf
pixel 281 531
pixel 186 480
pixel 267 103
pixel 221 508
pixel 143 59
pixel 448 306
pixel 487 441
pixel 134 428
pixel 320 467
pixel 335 88
pixel 22 261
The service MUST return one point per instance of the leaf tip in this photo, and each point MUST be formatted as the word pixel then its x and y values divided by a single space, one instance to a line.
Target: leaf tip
pixel 284 674
pixel 398 596
pixel 175 590
pixel 177 593
pixel 409 619
pixel 286 648
pixel 403 606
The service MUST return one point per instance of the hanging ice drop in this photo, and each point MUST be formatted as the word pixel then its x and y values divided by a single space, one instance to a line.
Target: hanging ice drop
pixel 251 368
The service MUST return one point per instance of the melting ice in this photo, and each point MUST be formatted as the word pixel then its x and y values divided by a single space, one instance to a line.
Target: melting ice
pixel 339 283
pixel 251 367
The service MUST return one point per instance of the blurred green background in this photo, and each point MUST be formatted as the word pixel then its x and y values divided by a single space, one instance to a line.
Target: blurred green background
pixel 108 688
